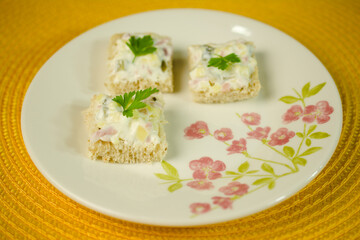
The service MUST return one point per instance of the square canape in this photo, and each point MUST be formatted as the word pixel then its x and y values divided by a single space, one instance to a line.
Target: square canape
pixel 114 137
pixel 238 81
pixel 128 72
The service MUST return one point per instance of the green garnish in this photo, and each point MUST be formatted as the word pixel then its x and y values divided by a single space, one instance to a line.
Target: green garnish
pixel 223 62
pixel 141 46
pixel 129 103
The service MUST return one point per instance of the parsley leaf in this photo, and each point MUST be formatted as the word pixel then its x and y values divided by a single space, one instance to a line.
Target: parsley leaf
pixel 223 62
pixel 141 46
pixel 130 103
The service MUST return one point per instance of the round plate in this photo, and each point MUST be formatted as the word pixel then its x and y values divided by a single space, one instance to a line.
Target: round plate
pixel 224 161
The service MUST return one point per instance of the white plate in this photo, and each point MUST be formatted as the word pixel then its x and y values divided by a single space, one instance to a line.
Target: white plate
pixel 55 137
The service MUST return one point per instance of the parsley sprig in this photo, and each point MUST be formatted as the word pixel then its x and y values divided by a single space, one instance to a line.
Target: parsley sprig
pixel 130 103
pixel 223 62
pixel 141 46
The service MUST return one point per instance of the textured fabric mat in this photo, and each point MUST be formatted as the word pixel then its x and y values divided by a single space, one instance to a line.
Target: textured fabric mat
pixel 32 31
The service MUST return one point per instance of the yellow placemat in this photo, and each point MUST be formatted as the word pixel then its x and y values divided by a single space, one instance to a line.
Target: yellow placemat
pixel 31 31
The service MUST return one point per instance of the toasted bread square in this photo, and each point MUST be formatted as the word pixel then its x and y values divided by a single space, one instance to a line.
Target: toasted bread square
pixel 151 70
pixel 116 138
pixel 209 84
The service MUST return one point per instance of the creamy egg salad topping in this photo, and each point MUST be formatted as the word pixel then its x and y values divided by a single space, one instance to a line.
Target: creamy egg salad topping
pixel 152 67
pixel 213 79
pixel 142 128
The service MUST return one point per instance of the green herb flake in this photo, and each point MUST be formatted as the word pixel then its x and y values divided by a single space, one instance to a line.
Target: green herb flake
pixel 223 62
pixel 132 100
pixel 141 46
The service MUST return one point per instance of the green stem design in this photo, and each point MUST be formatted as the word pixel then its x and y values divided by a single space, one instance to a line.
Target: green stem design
pixel 285 174
pixel 302 141
pixel 264 160
pixel 248 175
pixel 236 197
pixel 300 97
pixel 271 147
pixel 177 180
pixel 274 177
pixel 274 149
pixel 269 161
pixel 300 145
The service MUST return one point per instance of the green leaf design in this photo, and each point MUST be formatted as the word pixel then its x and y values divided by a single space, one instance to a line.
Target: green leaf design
pixel 299 134
pixel 316 89
pixel 169 169
pixel 308 142
pixel 298 94
pixel 300 161
pixel 165 177
pixel 234 179
pixel 289 151
pixel 267 168
pixel 311 129
pixel 231 173
pixel 310 151
pixel 262 181
pixel 245 154
pixel 243 167
pixel 305 90
pixel 252 171
pixel 289 99
pixel 175 187
pixel 319 135
pixel 271 185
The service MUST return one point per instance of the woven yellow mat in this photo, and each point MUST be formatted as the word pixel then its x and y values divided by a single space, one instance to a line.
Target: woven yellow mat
pixel 32 31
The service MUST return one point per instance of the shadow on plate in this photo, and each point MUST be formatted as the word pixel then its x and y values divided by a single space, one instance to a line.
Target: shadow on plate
pixel 75 138
pixel 98 66
pixel 180 72
pixel 171 137
pixel 265 92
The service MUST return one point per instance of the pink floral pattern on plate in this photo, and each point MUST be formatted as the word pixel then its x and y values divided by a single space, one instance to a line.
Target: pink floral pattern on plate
pixel 200 208
pixel 291 153
pixel 234 188
pixel 251 118
pixel 319 112
pixel 259 133
pixel 223 202
pixel 206 168
pixel 237 146
pixel 281 137
pixel 224 134
pixel 197 130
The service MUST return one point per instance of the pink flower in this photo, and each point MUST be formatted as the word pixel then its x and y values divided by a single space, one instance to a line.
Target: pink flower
pixel 235 188
pixel 197 130
pixel 237 146
pixel 206 168
pixel 202 184
pixel 320 112
pixel 224 202
pixel 281 137
pixel 251 118
pixel 259 133
pixel 293 114
pixel 223 134
pixel 200 208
